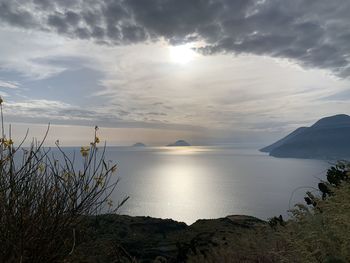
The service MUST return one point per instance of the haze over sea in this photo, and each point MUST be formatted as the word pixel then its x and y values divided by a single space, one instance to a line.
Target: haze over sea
pixel 190 183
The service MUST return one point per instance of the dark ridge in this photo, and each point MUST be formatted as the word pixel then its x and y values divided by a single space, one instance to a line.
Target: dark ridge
pixel 328 138
pixel 283 140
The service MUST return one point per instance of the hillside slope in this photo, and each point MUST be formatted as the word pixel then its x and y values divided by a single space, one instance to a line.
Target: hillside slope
pixel 328 138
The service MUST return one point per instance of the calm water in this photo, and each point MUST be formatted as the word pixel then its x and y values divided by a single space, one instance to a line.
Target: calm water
pixel 210 182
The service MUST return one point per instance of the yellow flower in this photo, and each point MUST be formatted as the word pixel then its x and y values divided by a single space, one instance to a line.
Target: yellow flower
pixel 41 168
pixel 6 143
pixel 99 181
pixel 85 148
pixel 96 141
pixel 67 175
pixel 84 151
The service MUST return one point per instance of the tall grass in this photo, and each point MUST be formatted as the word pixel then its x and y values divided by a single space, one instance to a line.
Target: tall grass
pixel 43 200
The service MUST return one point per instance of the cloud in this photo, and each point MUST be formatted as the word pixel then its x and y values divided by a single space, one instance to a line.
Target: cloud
pixel 9 84
pixel 137 86
pixel 83 55
pixel 15 15
pixel 315 33
pixel 339 96
pixel 42 111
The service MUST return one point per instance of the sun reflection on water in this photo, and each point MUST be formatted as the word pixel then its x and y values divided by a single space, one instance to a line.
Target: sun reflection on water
pixel 188 183
pixel 185 150
pixel 181 183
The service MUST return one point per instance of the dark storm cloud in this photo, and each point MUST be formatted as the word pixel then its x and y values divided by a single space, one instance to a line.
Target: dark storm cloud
pixel 16 16
pixel 315 33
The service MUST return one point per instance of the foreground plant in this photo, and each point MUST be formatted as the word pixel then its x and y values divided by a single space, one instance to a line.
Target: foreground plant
pixel 320 230
pixel 43 199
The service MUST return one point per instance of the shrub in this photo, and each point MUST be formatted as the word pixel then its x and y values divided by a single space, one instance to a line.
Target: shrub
pixel 320 232
pixel 43 200
pixel 316 232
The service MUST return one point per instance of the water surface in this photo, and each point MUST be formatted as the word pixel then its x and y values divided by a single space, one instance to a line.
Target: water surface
pixel 189 183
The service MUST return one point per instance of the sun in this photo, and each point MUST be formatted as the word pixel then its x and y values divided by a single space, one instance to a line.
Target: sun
pixel 182 54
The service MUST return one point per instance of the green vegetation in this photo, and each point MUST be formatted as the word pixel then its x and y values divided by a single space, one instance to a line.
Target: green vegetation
pixel 322 233
pixel 43 200
pixel 122 238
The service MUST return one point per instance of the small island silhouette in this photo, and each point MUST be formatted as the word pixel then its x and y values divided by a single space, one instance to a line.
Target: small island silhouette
pixel 139 144
pixel 179 143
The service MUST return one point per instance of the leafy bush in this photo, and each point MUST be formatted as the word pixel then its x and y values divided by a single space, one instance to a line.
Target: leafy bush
pixel 318 231
pixel 42 200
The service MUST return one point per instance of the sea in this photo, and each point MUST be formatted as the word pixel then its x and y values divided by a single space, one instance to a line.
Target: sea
pixel 191 183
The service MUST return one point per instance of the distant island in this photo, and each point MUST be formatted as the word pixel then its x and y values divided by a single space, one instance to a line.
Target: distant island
pixel 328 138
pixel 139 144
pixel 179 143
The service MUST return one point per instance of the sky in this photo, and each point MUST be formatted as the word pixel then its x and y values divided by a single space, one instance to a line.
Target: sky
pixel 207 71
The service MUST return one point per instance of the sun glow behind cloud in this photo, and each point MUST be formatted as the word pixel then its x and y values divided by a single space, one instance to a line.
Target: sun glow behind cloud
pixel 182 54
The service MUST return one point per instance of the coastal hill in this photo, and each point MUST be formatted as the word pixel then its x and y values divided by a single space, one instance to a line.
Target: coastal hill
pixel 280 142
pixel 179 143
pixel 328 138
pixel 148 239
